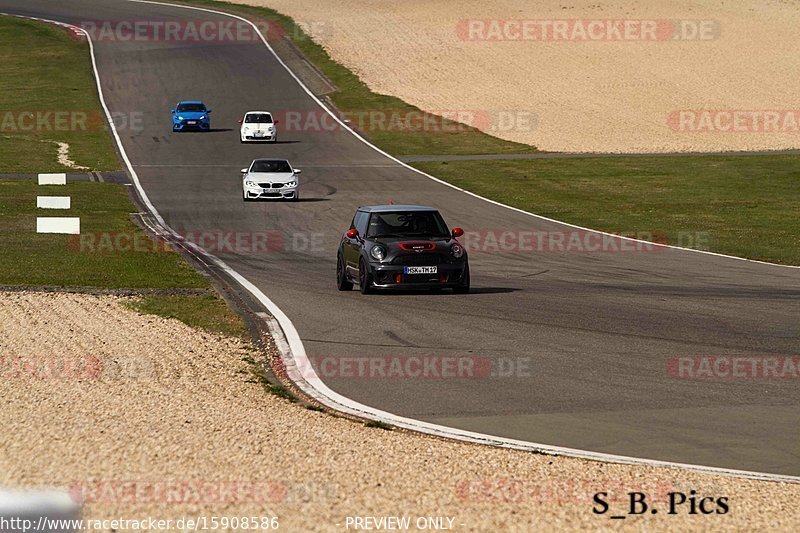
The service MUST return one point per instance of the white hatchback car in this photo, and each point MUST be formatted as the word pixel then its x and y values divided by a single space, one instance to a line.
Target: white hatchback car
pixel 258 126
pixel 270 179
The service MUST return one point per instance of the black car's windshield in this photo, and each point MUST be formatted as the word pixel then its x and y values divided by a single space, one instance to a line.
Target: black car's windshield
pixel 258 118
pixel 407 224
pixel 270 166
pixel 191 108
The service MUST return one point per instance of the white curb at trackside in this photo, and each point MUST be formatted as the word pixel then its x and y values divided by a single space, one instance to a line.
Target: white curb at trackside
pixel 52 179
pixel 53 202
pixel 297 354
pixel 65 225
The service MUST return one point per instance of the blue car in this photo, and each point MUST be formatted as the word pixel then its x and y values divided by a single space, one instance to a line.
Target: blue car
pixel 191 115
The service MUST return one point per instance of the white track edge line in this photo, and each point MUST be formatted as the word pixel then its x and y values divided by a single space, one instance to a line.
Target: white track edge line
pixel 297 349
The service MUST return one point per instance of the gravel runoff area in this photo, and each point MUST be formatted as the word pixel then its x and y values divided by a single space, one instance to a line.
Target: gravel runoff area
pixel 151 418
pixel 579 93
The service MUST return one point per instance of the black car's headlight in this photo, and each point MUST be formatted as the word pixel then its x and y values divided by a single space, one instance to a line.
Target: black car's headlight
pixel 378 252
pixel 457 250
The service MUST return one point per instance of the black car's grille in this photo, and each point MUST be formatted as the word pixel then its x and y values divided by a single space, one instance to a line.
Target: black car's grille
pixel 271 185
pixel 422 259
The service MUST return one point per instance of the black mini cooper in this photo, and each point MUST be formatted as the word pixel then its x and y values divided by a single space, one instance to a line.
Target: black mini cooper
pixel 401 247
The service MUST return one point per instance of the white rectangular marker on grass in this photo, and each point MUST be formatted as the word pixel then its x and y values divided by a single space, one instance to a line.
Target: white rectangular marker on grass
pixel 53 202
pixel 68 225
pixel 52 179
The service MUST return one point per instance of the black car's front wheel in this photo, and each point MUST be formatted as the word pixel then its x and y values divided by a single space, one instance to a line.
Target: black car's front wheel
pixel 463 287
pixel 342 283
pixel 364 278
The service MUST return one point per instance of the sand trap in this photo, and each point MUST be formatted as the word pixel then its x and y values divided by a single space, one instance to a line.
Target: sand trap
pixel 144 417
pixel 586 94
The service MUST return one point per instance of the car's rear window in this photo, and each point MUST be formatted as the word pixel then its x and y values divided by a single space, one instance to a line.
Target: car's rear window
pixel 271 166
pixel 258 118
pixel 407 224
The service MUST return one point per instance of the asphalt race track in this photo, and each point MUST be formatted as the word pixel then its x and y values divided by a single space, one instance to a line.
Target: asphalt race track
pixel 595 332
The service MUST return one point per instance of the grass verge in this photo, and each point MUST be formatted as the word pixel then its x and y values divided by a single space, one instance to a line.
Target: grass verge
pixel 103 256
pixel 747 206
pixel 48 95
pixel 204 311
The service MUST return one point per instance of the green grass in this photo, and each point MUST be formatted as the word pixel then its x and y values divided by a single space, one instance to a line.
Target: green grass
pixel 204 311
pixel 378 424
pixel 746 206
pixel 29 258
pixel 353 97
pixel 43 70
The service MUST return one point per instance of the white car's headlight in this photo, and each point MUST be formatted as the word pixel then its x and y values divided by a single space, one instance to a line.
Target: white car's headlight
pixel 457 251
pixel 246 129
pixel 378 252
pixel 291 184
pixel 250 183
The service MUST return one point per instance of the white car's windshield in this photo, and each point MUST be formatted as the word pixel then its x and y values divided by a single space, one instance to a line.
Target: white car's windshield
pixel 258 118
pixel 270 166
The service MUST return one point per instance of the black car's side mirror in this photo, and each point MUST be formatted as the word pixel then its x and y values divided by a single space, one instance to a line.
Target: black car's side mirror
pixel 457 232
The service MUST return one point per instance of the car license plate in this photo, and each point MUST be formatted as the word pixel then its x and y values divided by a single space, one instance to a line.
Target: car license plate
pixel 271 190
pixel 420 270
pixel 191 122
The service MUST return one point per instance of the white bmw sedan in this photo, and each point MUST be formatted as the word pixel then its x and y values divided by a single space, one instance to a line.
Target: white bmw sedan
pixel 258 126
pixel 270 179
